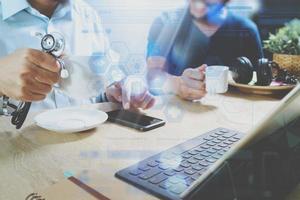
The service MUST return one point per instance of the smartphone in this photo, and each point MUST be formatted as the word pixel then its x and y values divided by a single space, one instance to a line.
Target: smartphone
pixel 135 120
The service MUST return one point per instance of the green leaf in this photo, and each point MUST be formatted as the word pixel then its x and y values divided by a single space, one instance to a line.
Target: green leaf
pixel 286 40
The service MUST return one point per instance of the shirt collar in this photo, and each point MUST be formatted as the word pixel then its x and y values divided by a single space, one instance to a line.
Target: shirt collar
pixel 12 7
pixel 63 9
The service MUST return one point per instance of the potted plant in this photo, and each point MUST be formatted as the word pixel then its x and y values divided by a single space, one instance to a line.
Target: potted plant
pixel 285 46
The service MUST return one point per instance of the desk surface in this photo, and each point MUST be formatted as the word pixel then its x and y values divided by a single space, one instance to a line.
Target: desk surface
pixel 33 159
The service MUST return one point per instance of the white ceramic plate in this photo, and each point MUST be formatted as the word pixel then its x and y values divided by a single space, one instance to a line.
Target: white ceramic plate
pixel 70 120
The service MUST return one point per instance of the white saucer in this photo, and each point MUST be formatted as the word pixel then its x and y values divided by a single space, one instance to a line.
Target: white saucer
pixel 70 120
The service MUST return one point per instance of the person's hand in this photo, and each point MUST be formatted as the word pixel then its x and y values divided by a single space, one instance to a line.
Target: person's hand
pixel 132 95
pixel 28 75
pixel 191 85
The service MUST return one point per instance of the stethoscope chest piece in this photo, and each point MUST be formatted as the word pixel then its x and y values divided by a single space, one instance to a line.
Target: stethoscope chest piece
pixel 54 44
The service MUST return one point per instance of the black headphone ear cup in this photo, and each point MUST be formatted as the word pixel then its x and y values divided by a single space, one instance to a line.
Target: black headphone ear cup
pixel 264 72
pixel 242 70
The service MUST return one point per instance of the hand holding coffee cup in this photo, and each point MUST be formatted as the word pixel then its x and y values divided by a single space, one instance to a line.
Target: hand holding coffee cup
pixel 191 84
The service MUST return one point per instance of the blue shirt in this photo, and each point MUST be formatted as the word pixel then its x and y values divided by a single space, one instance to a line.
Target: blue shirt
pixel 174 36
pixel 88 56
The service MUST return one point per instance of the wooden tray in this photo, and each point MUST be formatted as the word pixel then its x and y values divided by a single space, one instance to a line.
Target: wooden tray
pixel 261 90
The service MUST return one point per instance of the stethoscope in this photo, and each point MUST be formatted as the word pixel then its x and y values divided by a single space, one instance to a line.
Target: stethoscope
pixel 54 44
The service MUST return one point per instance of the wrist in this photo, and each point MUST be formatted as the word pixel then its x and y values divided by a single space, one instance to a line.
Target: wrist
pixel 101 98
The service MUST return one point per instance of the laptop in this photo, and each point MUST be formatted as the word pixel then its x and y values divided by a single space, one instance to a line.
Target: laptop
pixel 203 167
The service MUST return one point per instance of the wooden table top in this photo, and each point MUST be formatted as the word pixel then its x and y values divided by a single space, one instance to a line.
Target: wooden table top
pixel 32 159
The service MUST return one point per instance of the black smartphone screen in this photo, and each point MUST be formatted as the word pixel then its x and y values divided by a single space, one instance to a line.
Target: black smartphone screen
pixel 134 120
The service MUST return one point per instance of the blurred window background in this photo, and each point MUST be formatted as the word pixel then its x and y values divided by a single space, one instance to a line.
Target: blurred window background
pixel 127 22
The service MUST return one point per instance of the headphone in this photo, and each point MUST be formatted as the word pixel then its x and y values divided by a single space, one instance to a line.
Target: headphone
pixel 242 71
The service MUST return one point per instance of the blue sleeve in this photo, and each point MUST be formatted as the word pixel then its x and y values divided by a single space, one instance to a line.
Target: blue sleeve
pixel 153 45
pixel 162 33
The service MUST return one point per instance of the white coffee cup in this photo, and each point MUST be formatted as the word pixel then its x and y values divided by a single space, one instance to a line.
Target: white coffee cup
pixel 217 79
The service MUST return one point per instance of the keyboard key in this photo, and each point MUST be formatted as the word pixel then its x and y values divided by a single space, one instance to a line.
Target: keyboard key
pixel 211 159
pixel 210 143
pixel 197 167
pixel 205 153
pixel 186 155
pixel 165 184
pixel 149 174
pixel 174 180
pixel 179 169
pixel 185 165
pixel 199 157
pixel 204 163
pixel 190 171
pixel 216 140
pixel 163 166
pixel 215 135
pixel 199 149
pixel 158 179
pixel 170 172
pixel 144 167
pixel 205 146
pixel 211 151
pixel 192 161
pixel 208 137
pixel 193 152
pixel 178 188
pixel 222 138
pixel 223 145
pixel 217 148
pixel 135 172
pixel 152 164
pixel 229 135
